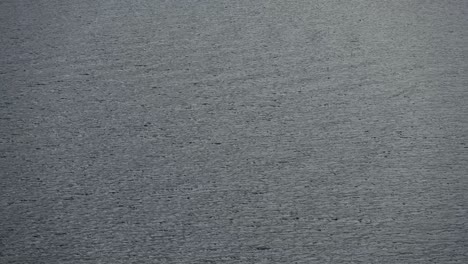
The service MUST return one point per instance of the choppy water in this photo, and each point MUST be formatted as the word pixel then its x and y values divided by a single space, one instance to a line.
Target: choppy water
pixel 233 131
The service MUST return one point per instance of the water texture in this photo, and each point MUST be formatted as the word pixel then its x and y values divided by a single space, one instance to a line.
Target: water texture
pixel 206 131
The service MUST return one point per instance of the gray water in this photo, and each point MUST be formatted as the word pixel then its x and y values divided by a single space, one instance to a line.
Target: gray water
pixel 233 131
